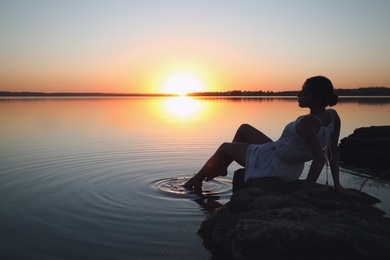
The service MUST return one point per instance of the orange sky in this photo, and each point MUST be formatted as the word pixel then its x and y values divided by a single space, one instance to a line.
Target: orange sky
pixel 138 46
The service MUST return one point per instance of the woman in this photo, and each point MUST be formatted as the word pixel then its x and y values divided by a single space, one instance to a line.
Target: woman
pixel 310 137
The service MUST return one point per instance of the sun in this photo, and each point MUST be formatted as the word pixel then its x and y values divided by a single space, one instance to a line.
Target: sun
pixel 182 84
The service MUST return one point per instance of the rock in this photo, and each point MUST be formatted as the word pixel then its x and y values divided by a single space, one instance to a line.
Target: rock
pixel 264 220
pixel 367 147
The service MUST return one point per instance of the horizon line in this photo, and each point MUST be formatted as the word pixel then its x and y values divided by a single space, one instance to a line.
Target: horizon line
pixel 226 91
pixel 367 91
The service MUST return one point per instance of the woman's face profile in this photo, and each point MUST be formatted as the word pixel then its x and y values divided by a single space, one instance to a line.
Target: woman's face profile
pixel 305 96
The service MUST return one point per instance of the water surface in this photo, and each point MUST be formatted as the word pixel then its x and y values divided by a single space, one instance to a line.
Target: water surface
pixel 100 177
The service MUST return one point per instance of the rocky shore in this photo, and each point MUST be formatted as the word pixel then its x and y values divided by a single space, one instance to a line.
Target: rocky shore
pixel 264 220
pixel 367 149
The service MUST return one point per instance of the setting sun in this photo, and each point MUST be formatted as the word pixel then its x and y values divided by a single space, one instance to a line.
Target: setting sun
pixel 182 84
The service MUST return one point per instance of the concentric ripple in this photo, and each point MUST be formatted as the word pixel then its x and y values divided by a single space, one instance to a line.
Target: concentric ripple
pixel 217 186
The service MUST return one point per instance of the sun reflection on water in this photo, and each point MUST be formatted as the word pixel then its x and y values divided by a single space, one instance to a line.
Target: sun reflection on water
pixel 182 107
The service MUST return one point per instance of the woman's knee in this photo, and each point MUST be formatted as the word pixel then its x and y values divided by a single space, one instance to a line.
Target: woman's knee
pixel 244 127
pixel 242 131
pixel 224 146
pixel 226 149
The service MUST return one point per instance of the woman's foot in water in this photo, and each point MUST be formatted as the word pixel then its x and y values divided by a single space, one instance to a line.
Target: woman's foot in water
pixel 193 183
pixel 196 181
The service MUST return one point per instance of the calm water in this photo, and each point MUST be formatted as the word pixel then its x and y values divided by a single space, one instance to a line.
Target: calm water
pixel 100 178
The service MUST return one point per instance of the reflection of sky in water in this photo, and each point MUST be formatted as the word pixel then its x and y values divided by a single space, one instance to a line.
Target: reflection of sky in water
pixel 372 186
pixel 94 164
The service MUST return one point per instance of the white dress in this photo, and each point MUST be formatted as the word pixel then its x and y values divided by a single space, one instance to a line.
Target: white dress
pixel 285 157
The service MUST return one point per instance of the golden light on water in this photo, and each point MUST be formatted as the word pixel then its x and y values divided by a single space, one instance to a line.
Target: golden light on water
pixel 182 107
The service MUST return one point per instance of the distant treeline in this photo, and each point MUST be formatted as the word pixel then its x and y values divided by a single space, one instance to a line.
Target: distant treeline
pixel 369 91
pixel 76 94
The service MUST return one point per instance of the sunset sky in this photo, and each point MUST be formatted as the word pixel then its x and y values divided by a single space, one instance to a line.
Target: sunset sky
pixel 152 46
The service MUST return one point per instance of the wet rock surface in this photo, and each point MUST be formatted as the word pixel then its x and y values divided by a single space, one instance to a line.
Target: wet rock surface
pixel 264 220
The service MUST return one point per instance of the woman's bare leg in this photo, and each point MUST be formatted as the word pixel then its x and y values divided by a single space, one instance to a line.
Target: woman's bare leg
pixel 248 134
pixel 227 153
pixel 218 163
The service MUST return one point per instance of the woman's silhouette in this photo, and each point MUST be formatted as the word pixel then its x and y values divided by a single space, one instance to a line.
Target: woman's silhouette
pixel 310 137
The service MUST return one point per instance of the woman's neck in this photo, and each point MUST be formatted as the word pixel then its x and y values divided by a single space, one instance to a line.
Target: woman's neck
pixel 321 113
pixel 318 111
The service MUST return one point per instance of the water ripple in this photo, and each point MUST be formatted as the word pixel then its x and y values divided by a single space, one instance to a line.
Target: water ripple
pixel 218 186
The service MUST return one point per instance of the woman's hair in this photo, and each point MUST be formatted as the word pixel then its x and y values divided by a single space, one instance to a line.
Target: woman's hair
pixel 322 87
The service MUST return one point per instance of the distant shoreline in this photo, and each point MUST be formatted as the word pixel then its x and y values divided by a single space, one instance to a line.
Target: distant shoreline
pixel 369 92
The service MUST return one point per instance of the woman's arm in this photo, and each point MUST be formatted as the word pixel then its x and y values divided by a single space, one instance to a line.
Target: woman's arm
pixel 335 161
pixel 308 126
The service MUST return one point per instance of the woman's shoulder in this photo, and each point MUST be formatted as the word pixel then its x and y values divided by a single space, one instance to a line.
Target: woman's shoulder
pixel 310 119
pixel 335 115
pixel 332 111
pixel 307 119
pixel 307 123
